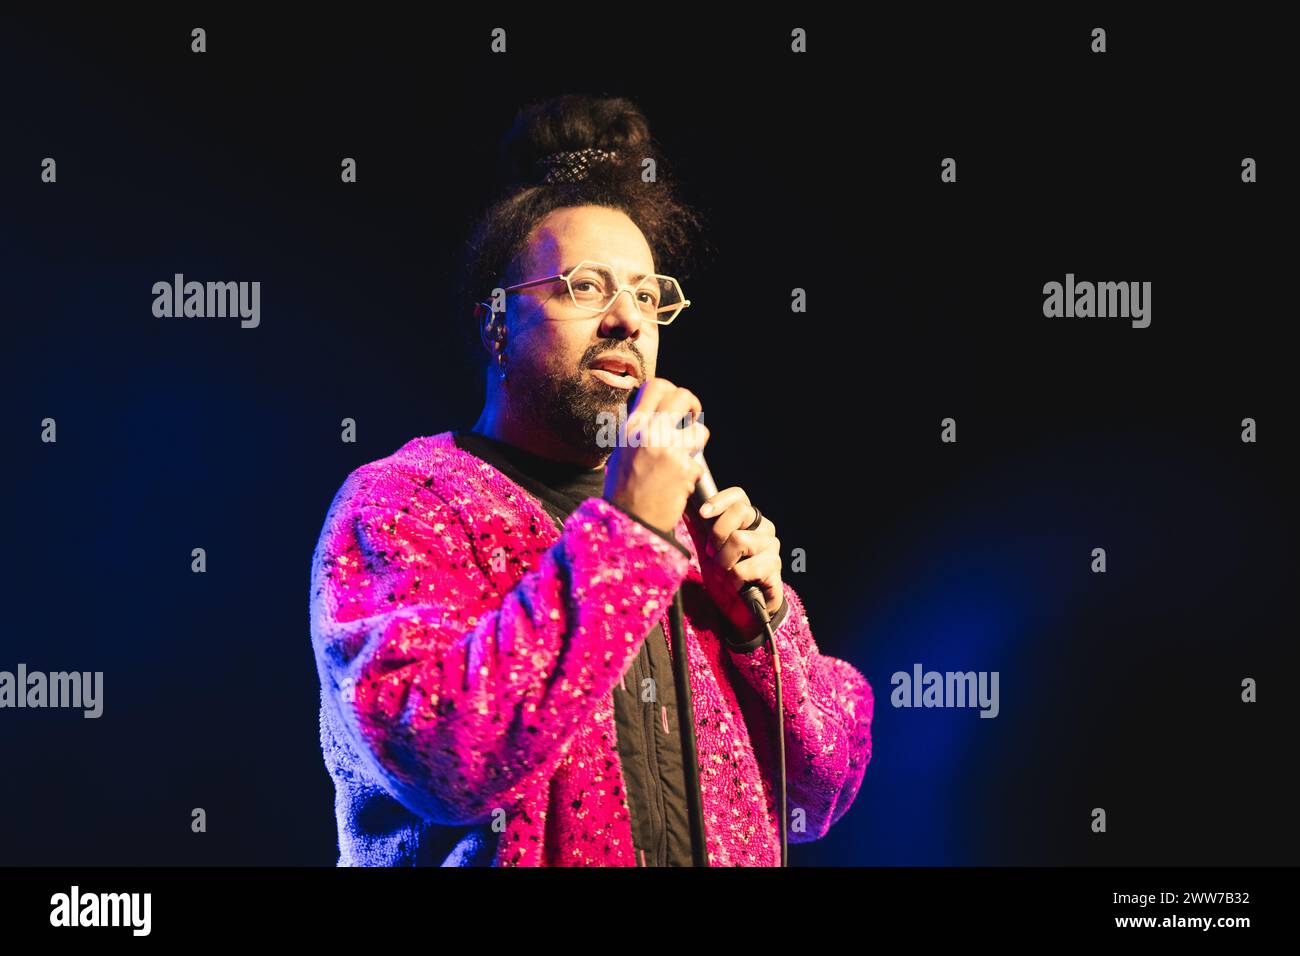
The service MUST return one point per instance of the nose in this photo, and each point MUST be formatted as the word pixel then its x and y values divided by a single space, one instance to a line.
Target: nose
pixel 623 318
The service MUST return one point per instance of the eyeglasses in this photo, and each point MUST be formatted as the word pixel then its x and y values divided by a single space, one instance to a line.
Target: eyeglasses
pixel 593 287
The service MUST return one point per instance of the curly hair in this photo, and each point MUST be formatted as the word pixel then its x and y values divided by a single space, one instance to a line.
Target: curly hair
pixel 573 122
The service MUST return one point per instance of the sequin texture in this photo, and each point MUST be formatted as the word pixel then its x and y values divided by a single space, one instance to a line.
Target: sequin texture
pixel 468 650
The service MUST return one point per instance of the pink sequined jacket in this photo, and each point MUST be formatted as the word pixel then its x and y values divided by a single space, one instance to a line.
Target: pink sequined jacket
pixel 468 651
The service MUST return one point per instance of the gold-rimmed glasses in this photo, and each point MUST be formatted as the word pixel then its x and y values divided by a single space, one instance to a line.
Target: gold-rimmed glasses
pixel 593 286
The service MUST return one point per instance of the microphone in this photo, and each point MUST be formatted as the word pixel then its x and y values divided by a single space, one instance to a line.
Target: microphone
pixel 705 489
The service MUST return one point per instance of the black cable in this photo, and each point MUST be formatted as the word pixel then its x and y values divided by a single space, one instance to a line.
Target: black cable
pixel 691 769
pixel 755 599
pixel 706 488
pixel 681 676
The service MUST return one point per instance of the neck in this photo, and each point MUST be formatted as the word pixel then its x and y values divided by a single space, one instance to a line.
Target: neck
pixel 497 420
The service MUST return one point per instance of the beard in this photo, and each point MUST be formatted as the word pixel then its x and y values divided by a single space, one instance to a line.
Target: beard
pixel 571 405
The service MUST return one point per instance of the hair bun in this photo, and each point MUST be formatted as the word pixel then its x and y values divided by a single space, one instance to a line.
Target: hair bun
pixel 592 129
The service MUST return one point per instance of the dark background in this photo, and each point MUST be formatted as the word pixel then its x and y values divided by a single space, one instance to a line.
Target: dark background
pixel 1119 690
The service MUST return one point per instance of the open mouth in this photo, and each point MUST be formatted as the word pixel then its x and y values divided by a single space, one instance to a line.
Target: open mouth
pixel 618 372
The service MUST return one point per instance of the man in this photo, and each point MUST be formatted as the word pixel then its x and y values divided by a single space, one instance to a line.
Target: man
pixel 491 611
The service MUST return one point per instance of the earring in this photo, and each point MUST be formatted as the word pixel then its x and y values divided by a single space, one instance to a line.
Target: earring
pixel 501 363
pixel 496 331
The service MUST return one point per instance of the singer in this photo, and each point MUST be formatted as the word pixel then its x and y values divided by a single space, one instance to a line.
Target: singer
pixel 492 608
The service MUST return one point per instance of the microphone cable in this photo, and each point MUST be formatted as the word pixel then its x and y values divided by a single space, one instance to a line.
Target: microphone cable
pixel 754 596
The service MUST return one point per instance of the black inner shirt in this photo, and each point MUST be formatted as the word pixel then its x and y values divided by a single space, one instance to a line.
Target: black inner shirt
pixel 646 702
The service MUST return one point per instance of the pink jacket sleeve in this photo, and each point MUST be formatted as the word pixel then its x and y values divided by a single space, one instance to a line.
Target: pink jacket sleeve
pixel 462 705
pixel 828 709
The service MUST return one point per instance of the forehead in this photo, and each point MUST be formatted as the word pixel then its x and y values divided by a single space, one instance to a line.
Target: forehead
pixel 566 236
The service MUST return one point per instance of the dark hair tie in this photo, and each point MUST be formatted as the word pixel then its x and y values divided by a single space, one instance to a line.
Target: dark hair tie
pixel 573 165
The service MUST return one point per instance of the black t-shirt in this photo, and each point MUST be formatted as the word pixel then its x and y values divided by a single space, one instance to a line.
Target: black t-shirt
pixel 646 702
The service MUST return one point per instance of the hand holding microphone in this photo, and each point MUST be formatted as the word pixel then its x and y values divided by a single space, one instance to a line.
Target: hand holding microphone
pixel 653 479
pixel 738 548
pixel 706 529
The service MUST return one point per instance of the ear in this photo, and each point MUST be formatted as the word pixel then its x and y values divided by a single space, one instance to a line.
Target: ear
pixel 481 318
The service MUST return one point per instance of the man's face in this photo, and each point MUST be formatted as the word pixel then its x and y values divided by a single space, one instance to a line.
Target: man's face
pixel 552 345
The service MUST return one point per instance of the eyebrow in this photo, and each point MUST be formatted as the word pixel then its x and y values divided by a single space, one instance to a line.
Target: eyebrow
pixel 636 277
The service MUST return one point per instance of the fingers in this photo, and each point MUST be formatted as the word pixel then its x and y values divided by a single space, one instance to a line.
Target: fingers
pixel 733 512
pixel 659 394
pixel 648 394
pixel 680 403
pixel 723 500
pixel 761 569
pixel 692 439
pixel 656 435
pixel 655 468
pixel 743 545
pixel 699 428
pixel 659 407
